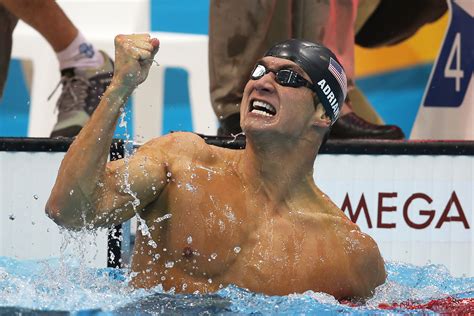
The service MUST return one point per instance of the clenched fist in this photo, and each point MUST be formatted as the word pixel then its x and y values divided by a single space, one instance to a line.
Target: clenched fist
pixel 133 58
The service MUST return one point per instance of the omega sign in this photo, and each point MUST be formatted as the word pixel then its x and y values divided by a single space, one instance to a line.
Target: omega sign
pixel 414 217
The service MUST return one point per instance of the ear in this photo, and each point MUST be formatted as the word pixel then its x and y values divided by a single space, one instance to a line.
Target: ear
pixel 320 119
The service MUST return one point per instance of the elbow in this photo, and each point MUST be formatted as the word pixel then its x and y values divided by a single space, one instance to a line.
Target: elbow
pixel 53 211
pixel 58 213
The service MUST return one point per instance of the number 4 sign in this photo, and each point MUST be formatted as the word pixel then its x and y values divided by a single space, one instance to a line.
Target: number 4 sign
pixel 447 110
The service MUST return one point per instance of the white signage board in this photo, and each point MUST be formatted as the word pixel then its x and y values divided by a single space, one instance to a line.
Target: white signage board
pixel 26 180
pixel 419 209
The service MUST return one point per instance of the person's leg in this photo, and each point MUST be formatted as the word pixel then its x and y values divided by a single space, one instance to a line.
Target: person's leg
pixel 47 18
pixel 85 72
pixel 360 104
pixel 362 107
pixel 7 24
pixel 239 34
pixel 332 23
pixel 394 21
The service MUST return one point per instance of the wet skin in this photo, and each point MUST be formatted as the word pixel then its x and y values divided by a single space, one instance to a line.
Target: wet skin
pixel 215 216
pixel 302 243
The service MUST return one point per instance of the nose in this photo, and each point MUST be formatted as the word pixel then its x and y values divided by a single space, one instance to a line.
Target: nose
pixel 266 83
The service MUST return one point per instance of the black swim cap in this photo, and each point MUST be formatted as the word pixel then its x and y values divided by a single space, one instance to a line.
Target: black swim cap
pixel 321 65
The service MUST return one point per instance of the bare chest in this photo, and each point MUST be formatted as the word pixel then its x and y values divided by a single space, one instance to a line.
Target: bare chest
pixel 216 228
pixel 211 217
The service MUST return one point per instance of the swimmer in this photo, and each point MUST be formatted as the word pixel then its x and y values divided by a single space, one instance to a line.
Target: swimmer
pixel 253 217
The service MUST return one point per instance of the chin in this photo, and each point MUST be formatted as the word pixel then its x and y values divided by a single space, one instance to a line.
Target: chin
pixel 265 132
pixel 256 124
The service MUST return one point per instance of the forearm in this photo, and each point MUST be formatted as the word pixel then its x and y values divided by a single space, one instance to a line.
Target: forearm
pixel 47 17
pixel 86 191
pixel 77 189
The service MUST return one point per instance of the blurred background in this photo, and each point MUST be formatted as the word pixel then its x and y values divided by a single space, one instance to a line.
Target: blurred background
pixel 392 78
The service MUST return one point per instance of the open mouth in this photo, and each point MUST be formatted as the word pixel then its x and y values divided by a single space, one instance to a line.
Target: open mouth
pixel 262 108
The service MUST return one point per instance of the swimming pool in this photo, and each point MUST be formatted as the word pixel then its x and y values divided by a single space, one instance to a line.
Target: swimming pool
pixel 37 284
pixel 414 198
pixel 65 285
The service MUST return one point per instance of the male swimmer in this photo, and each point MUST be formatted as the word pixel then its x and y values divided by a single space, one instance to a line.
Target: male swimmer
pixel 215 216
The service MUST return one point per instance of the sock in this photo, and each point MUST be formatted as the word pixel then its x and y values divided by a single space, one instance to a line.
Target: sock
pixel 80 54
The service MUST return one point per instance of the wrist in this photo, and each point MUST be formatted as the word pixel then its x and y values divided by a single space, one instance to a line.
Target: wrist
pixel 119 86
pixel 117 94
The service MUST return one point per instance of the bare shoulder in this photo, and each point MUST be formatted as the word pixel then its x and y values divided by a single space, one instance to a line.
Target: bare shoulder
pixel 179 144
pixel 367 264
pixel 181 147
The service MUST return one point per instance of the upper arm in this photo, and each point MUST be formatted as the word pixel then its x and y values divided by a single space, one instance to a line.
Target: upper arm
pixel 132 183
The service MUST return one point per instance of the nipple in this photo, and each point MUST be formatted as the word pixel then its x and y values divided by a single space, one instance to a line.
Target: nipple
pixel 188 252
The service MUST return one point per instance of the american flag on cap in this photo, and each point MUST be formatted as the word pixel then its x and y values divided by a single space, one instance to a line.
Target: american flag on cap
pixel 339 74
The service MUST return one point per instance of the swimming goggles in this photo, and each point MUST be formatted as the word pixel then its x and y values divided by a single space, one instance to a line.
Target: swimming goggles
pixel 284 77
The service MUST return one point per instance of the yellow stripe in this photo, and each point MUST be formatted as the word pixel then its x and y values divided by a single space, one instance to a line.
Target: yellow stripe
pixel 421 48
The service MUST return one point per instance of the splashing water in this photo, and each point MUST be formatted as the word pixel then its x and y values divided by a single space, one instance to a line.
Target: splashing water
pixel 39 285
pixel 128 149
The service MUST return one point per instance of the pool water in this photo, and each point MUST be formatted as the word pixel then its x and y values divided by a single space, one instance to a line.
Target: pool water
pixel 63 286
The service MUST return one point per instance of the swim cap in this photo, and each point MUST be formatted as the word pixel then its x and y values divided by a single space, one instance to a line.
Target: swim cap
pixel 321 65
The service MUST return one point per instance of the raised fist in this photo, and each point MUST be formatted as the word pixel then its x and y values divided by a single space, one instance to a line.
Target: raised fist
pixel 133 58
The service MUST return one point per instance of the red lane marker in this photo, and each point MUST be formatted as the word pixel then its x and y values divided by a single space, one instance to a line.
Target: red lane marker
pixel 445 305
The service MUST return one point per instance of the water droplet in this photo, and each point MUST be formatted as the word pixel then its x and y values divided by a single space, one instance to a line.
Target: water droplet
pixel 71 192
pixel 160 219
pixel 221 226
pixel 237 249
pixel 169 264
pixel 190 187
pixel 213 256
pixel 189 239
pixel 168 174
pixel 209 280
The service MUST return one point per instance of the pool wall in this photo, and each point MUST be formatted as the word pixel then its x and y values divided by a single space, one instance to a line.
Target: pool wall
pixel 27 176
pixel 414 198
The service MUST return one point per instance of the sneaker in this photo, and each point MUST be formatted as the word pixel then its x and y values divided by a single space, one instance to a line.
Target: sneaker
pixel 81 93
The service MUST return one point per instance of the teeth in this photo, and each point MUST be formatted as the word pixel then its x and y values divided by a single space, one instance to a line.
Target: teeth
pixel 261 112
pixel 259 107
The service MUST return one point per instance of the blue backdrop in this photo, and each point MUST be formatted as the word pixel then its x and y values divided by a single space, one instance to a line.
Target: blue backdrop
pixel 395 95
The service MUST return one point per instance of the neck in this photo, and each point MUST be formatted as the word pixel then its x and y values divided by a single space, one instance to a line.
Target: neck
pixel 280 168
